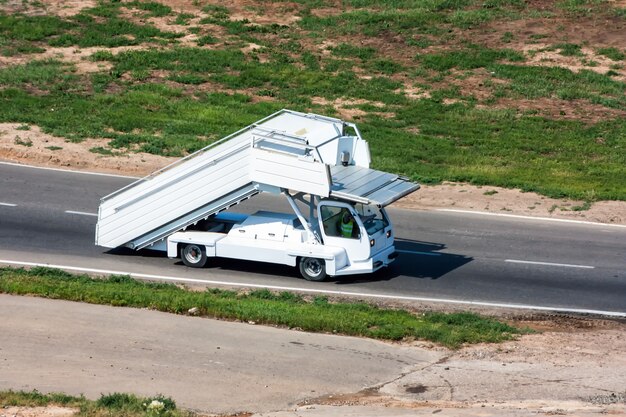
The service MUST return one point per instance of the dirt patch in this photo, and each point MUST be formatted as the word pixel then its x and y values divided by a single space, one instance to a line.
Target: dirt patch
pixel 260 13
pixel 598 30
pixel 416 93
pixel 553 108
pixel 599 347
pixel 265 13
pixel 49 411
pixel 35 147
pixel 71 55
pixel 508 201
pixel 62 8
pixel 346 108
pixel 541 55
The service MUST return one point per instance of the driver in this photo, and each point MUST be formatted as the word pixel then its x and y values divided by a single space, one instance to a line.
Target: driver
pixel 347 224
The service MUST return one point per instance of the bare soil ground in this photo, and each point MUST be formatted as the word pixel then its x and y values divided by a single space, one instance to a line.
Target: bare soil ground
pixel 49 411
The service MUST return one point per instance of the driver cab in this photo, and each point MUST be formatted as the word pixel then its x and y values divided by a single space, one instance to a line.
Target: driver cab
pixel 361 229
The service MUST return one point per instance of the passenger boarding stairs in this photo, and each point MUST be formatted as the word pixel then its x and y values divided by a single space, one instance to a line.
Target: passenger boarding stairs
pixel 287 151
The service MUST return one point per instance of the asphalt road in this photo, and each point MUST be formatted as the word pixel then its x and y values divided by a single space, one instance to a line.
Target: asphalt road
pixel 48 216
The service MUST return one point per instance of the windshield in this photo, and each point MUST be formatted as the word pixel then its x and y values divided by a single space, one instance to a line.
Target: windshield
pixel 373 218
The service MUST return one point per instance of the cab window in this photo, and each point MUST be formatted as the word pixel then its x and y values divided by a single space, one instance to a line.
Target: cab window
pixel 338 222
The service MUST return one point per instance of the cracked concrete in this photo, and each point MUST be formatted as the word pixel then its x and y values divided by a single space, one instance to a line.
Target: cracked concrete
pixel 574 373
pixel 224 367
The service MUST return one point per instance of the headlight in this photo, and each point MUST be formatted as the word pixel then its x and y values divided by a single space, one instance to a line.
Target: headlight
pixel 372 242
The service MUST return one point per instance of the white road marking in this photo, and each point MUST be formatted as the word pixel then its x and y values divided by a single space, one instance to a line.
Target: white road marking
pixel 81 213
pixel 418 252
pixel 517 261
pixel 329 292
pixel 517 216
pixel 8 205
pixel 69 170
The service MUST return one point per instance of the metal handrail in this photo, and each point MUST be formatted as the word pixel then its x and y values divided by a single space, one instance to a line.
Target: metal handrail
pixel 190 156
pixel 186 175
pixel 269 134
pixel 272 133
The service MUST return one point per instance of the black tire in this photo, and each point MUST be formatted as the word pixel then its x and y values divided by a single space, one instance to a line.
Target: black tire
pixel 193 255
pixel 313 269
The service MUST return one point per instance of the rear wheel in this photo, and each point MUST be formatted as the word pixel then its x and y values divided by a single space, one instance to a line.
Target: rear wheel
pixel 313 269
pixel 193 255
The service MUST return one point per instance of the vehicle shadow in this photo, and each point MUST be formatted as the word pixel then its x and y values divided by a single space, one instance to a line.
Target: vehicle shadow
pixel 144 253
pixel 416 259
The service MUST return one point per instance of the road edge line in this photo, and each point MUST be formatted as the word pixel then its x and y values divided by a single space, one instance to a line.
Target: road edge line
pixel 73 171
pixel 519 216
pixel 615 314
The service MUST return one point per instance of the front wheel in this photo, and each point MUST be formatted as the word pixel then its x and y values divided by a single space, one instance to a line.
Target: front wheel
pixel 193 255
pixel 313 269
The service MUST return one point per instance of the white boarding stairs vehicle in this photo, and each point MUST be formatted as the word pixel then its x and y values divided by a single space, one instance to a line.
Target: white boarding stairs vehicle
pixel 320 161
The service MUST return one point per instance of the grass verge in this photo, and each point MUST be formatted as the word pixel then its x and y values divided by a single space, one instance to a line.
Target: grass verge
pixel 260 306
pixel 115 404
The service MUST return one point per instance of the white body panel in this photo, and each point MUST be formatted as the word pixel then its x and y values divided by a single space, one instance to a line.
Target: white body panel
pixel 264 237
pixel 284 171
pixel 208 239
pixel 274 238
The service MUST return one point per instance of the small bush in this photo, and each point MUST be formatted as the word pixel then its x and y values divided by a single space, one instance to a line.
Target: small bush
pixel 569 49
pixel 612 53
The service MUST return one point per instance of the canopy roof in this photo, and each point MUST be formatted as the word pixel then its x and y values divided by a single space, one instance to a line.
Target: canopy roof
pixel 368 186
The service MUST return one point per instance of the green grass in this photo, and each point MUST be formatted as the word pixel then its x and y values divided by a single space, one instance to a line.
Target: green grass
pixel 114 404
pixel 581 7
pixel 350 51
pixel 49 75
pixel 569 49
pixel 155 9
pixel 500 147
pixel 612 53
pixel 19 34
pixel 98 26
pixel 183 18
pixel 470 58
pixel 206 40
pixel 537 82
pixel 112 33
pixel 374 18
pixel 37 399
pixel 261 306
pixel 156 100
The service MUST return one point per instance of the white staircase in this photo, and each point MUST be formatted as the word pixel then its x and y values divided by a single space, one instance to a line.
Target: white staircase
pixel 289 150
